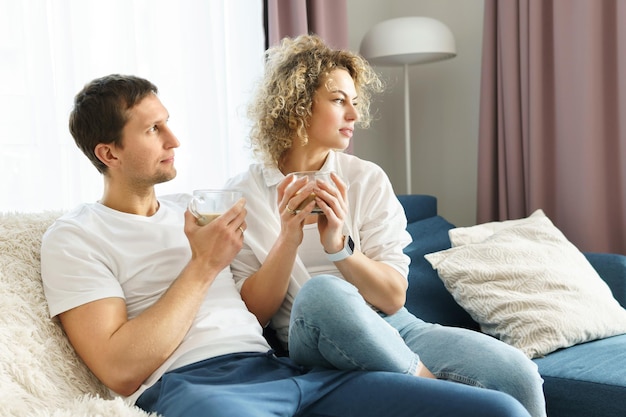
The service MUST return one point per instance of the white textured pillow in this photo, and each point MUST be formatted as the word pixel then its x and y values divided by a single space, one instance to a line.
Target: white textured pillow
pixel 527 285
pixel 476 234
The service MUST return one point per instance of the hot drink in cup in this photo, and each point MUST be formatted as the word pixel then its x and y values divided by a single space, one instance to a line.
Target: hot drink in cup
pixel 313 177
pixel 207 205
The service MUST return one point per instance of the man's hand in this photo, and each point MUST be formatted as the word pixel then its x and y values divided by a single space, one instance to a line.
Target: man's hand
pixel 218 242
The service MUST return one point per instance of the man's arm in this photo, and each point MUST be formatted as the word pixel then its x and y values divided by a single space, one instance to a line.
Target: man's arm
pixel 122 353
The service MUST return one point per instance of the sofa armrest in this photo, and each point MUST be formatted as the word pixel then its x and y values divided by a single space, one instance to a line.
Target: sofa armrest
pixel 418 206
pixel 612 268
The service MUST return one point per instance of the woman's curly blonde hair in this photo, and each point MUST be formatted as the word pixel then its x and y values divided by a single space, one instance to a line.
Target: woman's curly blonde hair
pixel 294 70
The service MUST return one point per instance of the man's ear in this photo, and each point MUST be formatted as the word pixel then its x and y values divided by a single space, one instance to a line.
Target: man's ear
pixel 106 153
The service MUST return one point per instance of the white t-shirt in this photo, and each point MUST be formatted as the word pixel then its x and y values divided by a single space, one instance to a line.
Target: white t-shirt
pixel 376 221
pixel 312 254
pixel 94 252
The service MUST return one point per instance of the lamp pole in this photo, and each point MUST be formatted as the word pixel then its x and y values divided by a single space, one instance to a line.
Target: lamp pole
pixel 407 129
pixel 408 40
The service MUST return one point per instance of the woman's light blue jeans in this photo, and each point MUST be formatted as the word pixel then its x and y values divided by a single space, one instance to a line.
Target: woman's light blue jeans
pixel 332 326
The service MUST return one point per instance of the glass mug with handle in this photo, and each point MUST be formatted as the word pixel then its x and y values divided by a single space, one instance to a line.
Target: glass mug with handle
pixel 313 177
pixel 207 205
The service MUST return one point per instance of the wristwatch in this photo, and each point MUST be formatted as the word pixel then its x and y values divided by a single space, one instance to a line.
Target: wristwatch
pixel 348 249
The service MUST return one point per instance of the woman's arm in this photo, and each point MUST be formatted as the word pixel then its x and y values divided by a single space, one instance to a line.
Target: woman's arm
pixel 379 283
pixel 264 291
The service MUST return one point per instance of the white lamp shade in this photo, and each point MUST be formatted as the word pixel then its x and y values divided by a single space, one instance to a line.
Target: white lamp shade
pixel 408 40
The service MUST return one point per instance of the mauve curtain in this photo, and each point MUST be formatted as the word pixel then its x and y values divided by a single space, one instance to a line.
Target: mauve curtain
pixel 326 18
pixel 553 117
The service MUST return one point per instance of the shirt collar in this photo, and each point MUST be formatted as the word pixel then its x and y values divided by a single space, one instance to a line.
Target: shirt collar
pixel 272 175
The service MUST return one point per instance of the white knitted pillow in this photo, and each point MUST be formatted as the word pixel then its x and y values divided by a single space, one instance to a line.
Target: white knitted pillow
pixel 527 285
pixel 40 373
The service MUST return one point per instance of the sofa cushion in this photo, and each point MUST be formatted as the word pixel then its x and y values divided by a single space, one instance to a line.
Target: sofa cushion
pixel 526 284
pixel 586 380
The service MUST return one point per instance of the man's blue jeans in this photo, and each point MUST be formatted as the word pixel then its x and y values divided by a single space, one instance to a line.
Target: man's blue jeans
pixel 332 326
pixel 262 385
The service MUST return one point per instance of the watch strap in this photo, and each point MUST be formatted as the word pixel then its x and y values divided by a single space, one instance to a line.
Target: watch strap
pixel 346 251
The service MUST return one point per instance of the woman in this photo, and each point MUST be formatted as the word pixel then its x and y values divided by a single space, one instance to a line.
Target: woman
pixel 351 314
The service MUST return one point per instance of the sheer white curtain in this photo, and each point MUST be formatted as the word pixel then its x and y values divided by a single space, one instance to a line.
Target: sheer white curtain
pixel 203 55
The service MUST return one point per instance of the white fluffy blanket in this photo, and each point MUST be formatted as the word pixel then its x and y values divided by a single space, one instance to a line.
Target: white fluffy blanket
pixel 40 374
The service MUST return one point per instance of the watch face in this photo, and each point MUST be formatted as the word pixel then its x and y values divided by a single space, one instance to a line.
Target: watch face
pixel 351 244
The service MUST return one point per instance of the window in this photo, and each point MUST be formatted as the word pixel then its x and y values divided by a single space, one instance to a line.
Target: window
pixel 203 56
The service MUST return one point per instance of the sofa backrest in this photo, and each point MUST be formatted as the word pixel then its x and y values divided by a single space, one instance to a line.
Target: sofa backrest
pixel 39 370
pixel 427 297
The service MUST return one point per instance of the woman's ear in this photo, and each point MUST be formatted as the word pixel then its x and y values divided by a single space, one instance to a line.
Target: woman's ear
pixel 105 152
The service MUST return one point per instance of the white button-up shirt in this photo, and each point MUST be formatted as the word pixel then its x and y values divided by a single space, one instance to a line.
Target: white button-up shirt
pixel 376 221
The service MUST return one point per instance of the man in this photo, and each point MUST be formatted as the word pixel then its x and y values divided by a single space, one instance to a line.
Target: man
pixel 146 296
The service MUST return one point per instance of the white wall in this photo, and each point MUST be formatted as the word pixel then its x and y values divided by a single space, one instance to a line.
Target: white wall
pixel 444 100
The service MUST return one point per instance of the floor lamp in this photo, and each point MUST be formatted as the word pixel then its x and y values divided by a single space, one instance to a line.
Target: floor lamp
pixel 405 41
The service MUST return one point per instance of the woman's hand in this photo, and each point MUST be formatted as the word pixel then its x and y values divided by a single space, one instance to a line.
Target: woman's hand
pixel 293 208
pixel 333 201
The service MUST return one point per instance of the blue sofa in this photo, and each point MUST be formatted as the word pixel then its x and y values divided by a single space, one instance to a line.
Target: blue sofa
pixel 586 380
